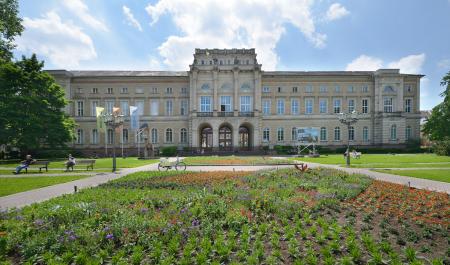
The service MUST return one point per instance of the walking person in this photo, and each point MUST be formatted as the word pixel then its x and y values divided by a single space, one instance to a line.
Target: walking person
pixel 24 164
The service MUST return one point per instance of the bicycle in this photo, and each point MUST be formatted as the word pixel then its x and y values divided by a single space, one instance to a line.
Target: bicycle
pixel 165 164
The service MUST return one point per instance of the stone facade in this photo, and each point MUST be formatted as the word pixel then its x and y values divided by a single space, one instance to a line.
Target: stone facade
pixel 226 102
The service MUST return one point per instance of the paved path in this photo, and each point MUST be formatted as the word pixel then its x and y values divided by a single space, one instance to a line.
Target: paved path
pixel 38 195
pixel 51 175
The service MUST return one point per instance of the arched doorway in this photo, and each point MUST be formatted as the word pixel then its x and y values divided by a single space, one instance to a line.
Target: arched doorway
pixel 244 138
pixel 206 138
pixel 225 138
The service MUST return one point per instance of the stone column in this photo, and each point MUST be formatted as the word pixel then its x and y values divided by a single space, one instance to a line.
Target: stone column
pixel 193 88
pixel 400 99
pixel 236 135
pixel 257 92
pixel 215 97
pixel 236 89
pixel 215 137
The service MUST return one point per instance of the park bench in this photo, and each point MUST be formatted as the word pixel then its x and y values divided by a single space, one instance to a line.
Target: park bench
pixel 89 163
pixel 38 164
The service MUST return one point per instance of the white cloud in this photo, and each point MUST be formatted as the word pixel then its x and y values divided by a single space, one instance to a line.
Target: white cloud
pixel 155 64
pixel 364 63
pixel 81 10
pixel 336 11
pixel 444 63
pixel 131 20
pixel 63 43
pixel 411 64
pixel 232 24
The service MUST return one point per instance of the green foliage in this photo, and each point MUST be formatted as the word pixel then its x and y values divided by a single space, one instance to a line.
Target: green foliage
pixel 169 151
pixel 285 149
pixel 436 126
pixel 31 107
pixel 442 147
pixel 10 27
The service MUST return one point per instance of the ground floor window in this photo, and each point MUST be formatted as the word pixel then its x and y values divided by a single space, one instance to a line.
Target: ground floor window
pixel 266 134
pixel 110 136
pixel 280 134
pixel 351 133
pixel 168 135
pixel 206 136
pixel 365 134
pixel 94 136
pixel 337 134
pixel 394 132
pixel 125 136
pixel 154 136
pixel 80 136
pixel 183 135
pixel 323 134
pixel 408 133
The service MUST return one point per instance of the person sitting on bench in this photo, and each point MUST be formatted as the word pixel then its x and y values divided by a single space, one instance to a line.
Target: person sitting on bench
pixel 70 162
pixel 28 161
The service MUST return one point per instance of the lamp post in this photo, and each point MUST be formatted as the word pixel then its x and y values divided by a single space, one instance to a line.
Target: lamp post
pixel 348 119
pixel 113 121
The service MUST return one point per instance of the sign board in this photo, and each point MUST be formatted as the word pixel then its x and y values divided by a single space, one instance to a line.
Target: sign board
pixel 308 134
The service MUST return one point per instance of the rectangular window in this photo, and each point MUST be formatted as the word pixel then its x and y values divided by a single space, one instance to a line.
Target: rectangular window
pixel 280 134
pixel 408 88
pixel 294 89
pixel 365 134
pixel 94 105
pixel 169 108
pixel 140 107
pixel 337 105
pixel 309 104
pixel 80 136
pixel 246 103
pixel 388 104
pixel 124 136
pixel 365 88
pixel 183 136
pixel 266 107
pixel 184 107
pixel 184 90
pixel 294 134
pixel 266 89
pixel 110 90
pixel 154 107
pixel 350 89
pixel 351 133
pixel 337 88
pixel 323 89
pixel 337 134
pixel 109 104
pixel 280 89
pixel 110 136
pixel 124 90
pixel 124 109
pixel 266 134
pixel 365 106
pixel 94 90
pixel 408 104
pixel 94 139
pixel 351 105
pixel 139 90
pixel 225 103
pixel 408 133
pixel 205 104
pixel 323 134
pixel 323 105
pixel 294 107
pixel 154 90
pixel 80 108
pixel 280 106
pixel 168 90
pixel 309 88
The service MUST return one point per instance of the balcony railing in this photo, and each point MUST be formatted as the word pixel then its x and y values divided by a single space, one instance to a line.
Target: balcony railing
pixel 225 114
pixel 205 114
pixel 246 114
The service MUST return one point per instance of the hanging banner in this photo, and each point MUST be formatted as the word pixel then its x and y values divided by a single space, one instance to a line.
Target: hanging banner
pixel 134 117
pixel 99 111
pixel 116 111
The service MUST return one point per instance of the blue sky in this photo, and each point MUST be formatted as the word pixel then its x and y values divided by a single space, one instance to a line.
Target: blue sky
pixel 413 35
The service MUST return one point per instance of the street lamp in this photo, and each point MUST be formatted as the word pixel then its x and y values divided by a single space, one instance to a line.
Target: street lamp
pixel 113 121
pixel 348 119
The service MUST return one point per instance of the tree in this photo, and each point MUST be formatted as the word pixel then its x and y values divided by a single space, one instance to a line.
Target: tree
pixel 10 27
pixel 31 107
pixel 437 125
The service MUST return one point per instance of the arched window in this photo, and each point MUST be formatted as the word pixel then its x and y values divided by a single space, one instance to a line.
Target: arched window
pixel 408 133
pixel 280 134
pixel 394 132
pixel 365 134
pixel 323 134
pixel 80 136
pixel 154 136
pixel 168 135
pixel 351 133
pixel 183 135
pixel 266 134
pixel 337 134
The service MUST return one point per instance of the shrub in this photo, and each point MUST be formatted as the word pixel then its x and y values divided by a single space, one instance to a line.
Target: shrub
pixel 169 151
pixel 442 148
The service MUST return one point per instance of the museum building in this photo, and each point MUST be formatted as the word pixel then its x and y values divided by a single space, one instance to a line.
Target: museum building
pixel 225 102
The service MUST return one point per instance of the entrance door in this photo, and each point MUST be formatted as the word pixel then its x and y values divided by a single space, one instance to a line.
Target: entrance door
pixel 244 138
pixel 206 138
pixel 225 138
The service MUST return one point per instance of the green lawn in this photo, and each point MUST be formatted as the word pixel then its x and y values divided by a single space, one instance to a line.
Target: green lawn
pixel 14 185
pixel 432 174
pixel 385 160
pixel 232 160
pixel 101 163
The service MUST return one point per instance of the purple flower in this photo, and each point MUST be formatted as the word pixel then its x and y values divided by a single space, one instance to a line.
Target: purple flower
pixel 109 236
pixel 19 217
pixel 195 222
pixel 183 210
pixel 144 210
pixel 39 222
pixel 72 237
pixel 106 229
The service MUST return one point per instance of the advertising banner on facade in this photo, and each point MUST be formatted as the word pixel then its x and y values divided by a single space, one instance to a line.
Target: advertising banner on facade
pixel 99 111
pixel 134 117
pixel 308 135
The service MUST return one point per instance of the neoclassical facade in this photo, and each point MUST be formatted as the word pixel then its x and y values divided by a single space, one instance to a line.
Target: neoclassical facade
pixel 226 102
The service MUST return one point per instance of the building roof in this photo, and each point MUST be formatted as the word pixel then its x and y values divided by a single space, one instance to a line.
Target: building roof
pixel 114 73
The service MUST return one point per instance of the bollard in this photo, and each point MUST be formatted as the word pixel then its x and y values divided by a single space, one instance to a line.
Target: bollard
pixel 409 184
pixel 75 189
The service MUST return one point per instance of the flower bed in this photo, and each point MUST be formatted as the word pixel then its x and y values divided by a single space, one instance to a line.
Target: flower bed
pixel 235 160
pixel 268 217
